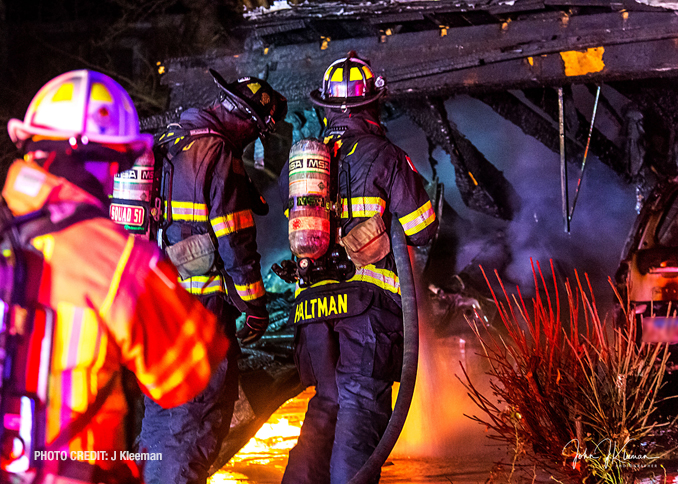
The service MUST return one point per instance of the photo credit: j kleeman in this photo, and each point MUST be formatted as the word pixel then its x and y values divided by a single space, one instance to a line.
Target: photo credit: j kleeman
pixel 96 455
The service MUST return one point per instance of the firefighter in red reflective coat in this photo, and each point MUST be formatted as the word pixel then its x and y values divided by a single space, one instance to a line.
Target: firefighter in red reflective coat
pixel 116 299
pixel 211 239
pixel 349 334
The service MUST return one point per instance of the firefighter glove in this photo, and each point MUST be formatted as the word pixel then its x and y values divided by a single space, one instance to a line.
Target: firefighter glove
pixel 256 322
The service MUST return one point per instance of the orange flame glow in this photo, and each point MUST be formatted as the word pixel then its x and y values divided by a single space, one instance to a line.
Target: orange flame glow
pixel 266 452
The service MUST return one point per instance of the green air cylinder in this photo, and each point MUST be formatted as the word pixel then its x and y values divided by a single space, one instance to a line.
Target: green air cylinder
pixel 309 202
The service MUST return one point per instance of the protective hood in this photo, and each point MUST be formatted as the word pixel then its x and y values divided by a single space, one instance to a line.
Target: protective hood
pixel 356 120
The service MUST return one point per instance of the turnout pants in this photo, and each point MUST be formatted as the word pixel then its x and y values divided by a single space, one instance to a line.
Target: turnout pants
pixel 352 362
pixel 189 436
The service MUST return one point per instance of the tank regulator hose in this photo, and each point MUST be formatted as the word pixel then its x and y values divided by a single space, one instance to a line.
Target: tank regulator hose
pixel 370 470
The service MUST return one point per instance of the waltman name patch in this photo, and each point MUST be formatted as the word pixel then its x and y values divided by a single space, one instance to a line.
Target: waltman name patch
pixel 326 305
pixel 329 305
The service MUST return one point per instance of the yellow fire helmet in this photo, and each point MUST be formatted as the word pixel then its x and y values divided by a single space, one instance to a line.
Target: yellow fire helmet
pixel 83 107
pixel 349 83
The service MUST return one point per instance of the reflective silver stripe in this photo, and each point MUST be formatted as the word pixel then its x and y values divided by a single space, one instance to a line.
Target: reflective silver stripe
pixel 201 285
pixel 383 278
pixel 189 211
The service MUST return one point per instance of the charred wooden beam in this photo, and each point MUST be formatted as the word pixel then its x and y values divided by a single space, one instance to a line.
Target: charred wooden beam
pixel 652 59
pixel 396 18
pixel 482 186
pixel 603 148
pixel 160 121
pixel 658 102
pixel 280 28
pixel 352 10
pixel 511 108
pixel 616 5
pixel 507 8
pixel 492 56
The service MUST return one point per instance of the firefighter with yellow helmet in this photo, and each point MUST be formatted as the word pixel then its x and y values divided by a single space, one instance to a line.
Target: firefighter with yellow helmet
pixel 347 315
pixel 116 301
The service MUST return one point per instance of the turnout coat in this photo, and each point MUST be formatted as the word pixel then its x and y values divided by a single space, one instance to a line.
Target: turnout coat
pixel 383 181
pixel 118 304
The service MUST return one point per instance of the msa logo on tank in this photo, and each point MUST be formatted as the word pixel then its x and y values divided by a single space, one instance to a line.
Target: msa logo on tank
pixel 132 192
pixel 136 173
pixel 322 307
pixel 310 164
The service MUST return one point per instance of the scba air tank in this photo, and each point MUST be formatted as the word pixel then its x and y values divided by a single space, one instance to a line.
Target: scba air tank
pixel 309 202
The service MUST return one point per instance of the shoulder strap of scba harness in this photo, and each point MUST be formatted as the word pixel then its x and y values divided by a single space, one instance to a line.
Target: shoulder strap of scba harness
pixel 176 138
pixel 26 332
pixel 168 145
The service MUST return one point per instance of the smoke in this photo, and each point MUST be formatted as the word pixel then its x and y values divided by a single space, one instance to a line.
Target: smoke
pixel 604 215
pixel 605 212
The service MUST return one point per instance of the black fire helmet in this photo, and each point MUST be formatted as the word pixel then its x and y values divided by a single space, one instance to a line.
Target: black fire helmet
pixel 255 99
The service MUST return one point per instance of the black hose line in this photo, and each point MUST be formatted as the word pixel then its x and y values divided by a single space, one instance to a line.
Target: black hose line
pixel 370 470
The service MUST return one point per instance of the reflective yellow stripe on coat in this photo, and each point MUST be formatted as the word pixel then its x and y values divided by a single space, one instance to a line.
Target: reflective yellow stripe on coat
pixel 382 278
pixel 250 292
pixel 232 222
pixel 419 219
pixel 189 211
pixel 80 346
pixel 201 285
pixel 363 206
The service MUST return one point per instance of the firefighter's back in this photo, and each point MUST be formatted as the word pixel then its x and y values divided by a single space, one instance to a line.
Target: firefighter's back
pixel 84 264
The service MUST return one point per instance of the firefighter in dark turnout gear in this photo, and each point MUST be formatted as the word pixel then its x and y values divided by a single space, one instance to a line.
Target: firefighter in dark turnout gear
pixel 349 334
pixel 211 239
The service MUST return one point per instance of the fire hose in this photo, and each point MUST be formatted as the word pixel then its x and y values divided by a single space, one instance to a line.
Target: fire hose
pixel 370 470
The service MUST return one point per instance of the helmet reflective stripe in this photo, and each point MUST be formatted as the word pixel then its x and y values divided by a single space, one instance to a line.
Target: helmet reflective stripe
pixel 82 104
pixel 357 74
pixel 342 85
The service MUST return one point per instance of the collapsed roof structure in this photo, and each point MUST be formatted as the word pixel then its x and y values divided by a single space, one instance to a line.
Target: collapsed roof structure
pixel 510 54
pixel 519 57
